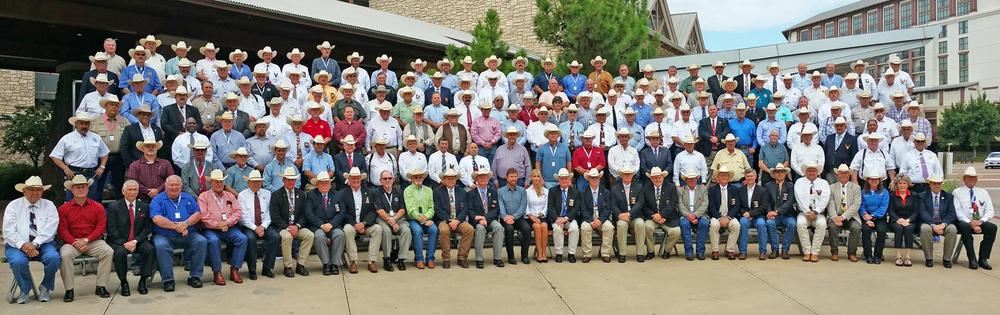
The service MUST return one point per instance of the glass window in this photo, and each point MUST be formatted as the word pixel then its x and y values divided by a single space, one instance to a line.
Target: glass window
pixel 817 32
pixel 888 18
pixel 829 30
pixel 943 47
pixel 963 43
pixel 963 27
pixel 804 35
pixel 918 65
pixel 963 68
pixel 943 70
pixel 842 27
pixel 872 21
pixel 943 9
pixel 856 24
pixel 944 31
pixel 917 52
pixel 923 11
pixel 963 7
pixel 905 14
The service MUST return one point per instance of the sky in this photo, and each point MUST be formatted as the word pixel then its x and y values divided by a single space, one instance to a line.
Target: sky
pixel 732 24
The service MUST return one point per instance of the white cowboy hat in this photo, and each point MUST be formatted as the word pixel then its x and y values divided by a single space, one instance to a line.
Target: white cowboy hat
pixel 239 152
pixel 421 62
pixel 290 173
pixel 325 44
pixel 207 47
pixel 648 68
pixel 970 171
pixel 180 45
pixel 723 170
pixel 235 53
pixel 688 174
pixel 491 58
pixel 449 173
pixel 81 116
pixel 574 64
pixel 142 109
pixel 349 139
pixel 78 180
pixel 355 55
pixel 99 56
pixel 33 181
pixel 383 57
pixel 131 52
pixel 730 137
pixel 746 63
pixel 935 179
pixel 920 136
pixel 201 145
pixel 319 139
pixel 593 62
pixel 594 173
pixel 280 144
pixel 444 61
pixel 100 78
pixel 468 60
pixel 718 63
pixel 150 38
pixel 295 52
pixel 656 171
pixel 419 171
pixel 381 141
pixel 109 99
pixel 254 176
pixel 514 61
pixel 217 175
pixel 266 50
pixel 811 164
pixel 563 172
pixel 779 168
pixel 840 121
pixel 843 168
pixel 321 177
pixel 148 141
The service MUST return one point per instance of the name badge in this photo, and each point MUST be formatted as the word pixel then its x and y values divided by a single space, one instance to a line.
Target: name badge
pixel 553 163
pixel 177 215
pixel 209 117
pixel 589 165
pixel 111 138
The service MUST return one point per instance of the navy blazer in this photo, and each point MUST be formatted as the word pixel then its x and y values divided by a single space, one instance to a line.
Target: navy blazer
pixel 618 203
pixel 555 204
pixel 340 164
pixel 667 207
pixel 172 122
pixel 714 86
pixel 442 204
pixel 130 135
pixel 704 144
pixel 281 217
pixel 604 205
pixel 739 83
pixel 119 223
pixel 86 87
pixel 843 154
pixel 476 207
pixel 714 202
pixel 758 205
pixel 346 200
pixel 947 204
pixel 910 211
pixel 783 201
pixel 446 96
pixel 317 213
pixel 647 161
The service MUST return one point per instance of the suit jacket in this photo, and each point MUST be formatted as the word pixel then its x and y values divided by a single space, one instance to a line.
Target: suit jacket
pixel 947 208
pixel 132 134
pixel 739 83
pixel 119 222
pixel 572 203
pixel 476 207
pixel 705 134
pixel 346 200
pixel 605 210
pixel 783 200
pixel 842 154
pixel 173 124
pixel 268 92
pixel 633 205
pixel 715 86
pixel 700 202
pixel 241 124
pixel 281 217
pixel 446 96
pixel 647 161
pixel 911 210
pixel 340 164
pixel 715 202
pixel 86 87
pixel 667 207
pixel 757 205
pixel 853 200
pixel 378 200
pixel 318 213
pixel 442 204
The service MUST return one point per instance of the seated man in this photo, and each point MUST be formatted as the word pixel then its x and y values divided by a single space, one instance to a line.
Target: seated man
pixel 325 218
pixel 359 218
pixel 845 200
pixel 256 219
pixel 220 212
pixel 812 194
pixel 513 214
pixel 562 215
pixel 128 233
pixel 974 208
pixel 659 210
pixel 782 212
pixel 420 204
pixel 82 223
pixel 391 212
pixel 450 212
pixel 29 229
pixel 595 213
pixel 288 209
pixel 626 200
pixel 754 205
pixel 483 212
pixel 938 218
pixel 723 208
pixel 175 214
pixel 692 199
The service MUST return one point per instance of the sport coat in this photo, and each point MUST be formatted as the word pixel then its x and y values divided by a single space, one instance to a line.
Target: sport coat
pixel 346 200
pixel 555 203
pixel 319 213
pixel 446 96
pixel 172 122
pixel 668 206
pixel 739 83
pixel 715 86
pixel 281 217
pixel 664 160
pixel 241 124
pixel 715 201
pixel 700 203
pixel 132 134
pixel 783 200
pixel 632 205
pixel 340 164
pixel 476 207
pixel 119 222
pixel 947 204
pixel 853 203
pixel 705 135
pixel 757 205
pixel 840 155
pixel 604 206
pixel 442 204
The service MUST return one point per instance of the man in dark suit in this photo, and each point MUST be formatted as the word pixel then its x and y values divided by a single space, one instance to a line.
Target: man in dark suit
pixel 562 216
pixel 241 123
pixel 754 204
pixel 658 211
pixel 261 87
pixel 626 205
pixel 288 209
pixel 349 158
pixel 174 115
pixel 840 148
pixel 483 212
pixel 100 63
pixel 724 211
pixel 715 80
pixel 594 213
pixel 133 134
pixel 654 155
pixel 325 216
pixel 359 219
pixel 937 218
pixel 711 129
pixel 446 96
pixel 128 233
pixel 744 80
pixel 449 210
pixel 783 211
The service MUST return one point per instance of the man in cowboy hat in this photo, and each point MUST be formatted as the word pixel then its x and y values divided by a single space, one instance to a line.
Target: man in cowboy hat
pixel 622 156
pixel 692 203
pixel 552 156
pixel 383 62
pixel 207 104
pixel 348 157
pixel 30 224
pixel 450 213
pixel 82 223
pixel 99 65
pixel 138 131
pixel 288 218
pixel 540 83
pixel 363 80
pixel 483 213
pixel 196 172
pixel 690 160
pixel 240 119
pixel 111 131
pixel 437 87
pixel 732 159
pixel 520 71
pixel 175 215
pixel 317 161
pixel 256 220
pixel 659 210
pixel 325 219
pixel 421 130
pixel 259 145
pixel 574 83
pixel 380 159
pixel 920 164
pixel 175 116
pixel 384 126
pixel 403 111
pixel 974 209
pixel 324 91
pixel 224 84
pixel 723 211
pixel 296 66
pixel 840 146
pixel 920 124
pixel 873 158
pixel 845 200
pixel 326 63
pixel 816 92
pixel 154 60
pixel 865 81
pixel 263 87
pixel 600 77
pixel 141 97
pixel 411 159
pixel 267 66
pixel 851 90
pixel 220 214
pixel 359 218
pixel 812 195
pixel 180 152
pixel 419 211
pixel 806 150
pixel 150 172
pixel 450 80
pixel 409 79
pixel 564 204
pixel 387 203
pixel 180 50
pixel 90 103
pixel 128 229
pixel 239 70
pixel 626 203
pixel 237 173
pixel 938 218
pixel 137 66
pixel 274 172
pixel 423 81
pixel 654 155
pixel 454 132
pixel 744 80
pixel 783 210
pixel 81 152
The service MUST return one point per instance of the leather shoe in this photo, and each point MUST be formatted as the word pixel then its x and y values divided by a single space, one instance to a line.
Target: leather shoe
pixel 640 258
pixel 334 269
pixel 289 272
pixel 852 258
pixel 267 273
pixel 814 258
pixel 701 256
pixel 479 264
pixel 353 267
pixel 689 257
pixel 559 258
pixel 252 275
pixel 785 255
pixel 168 286
pixel 586 259
pixel 401 265
pixel 929 263
pixel 606 259
pixel 218 279
pixel 650 255
pixel 985 264
pixel 463 263
pixel 69 296
pixel 372 267
pixel 947 264
pixel 446 264
pixel 525 260
pixel 124 291
pixel 498 263
pixel 665 255
pixel 572 259
pixel 730 255
pixel 762 257
pixel 807 257
pixel 834 257
pixel 773 255
pixel 715 255
pixel 743 256
pixel 142 286
pixel 420 265
pixel 973 265
pixel 387 265
pixel 195 283
pixel 234 275
pixel 102 292
pixel 430 265
pixel 301 270
pixel 512 261
pixel 326 270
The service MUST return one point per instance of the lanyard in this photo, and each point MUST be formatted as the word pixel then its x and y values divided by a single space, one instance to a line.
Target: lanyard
pixel 110 127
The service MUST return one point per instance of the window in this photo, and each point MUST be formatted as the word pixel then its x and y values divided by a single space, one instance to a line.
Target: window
pixel 963 68
pixel 817 32
pixel 963 44
pixel 942 47
pixel 905 14
pixel 943 70
pixel 963 7
pixel 943 9
pixel 918 80
pixel 872 21
pixel 944 31
pixel 888 18
pixel 918 65
pixel 842 27
pixel 804 35
pixel 963 27
pixel 923 11
pixel 829 30
pixel 856 24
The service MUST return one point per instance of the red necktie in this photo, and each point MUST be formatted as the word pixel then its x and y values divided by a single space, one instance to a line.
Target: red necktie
pixel 131 219
pixel 468 115
pixel 713 127
pixel 201 178
pixel 256 210
pixel 350 160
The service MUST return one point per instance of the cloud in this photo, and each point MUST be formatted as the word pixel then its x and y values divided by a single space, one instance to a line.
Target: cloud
pixel 752 15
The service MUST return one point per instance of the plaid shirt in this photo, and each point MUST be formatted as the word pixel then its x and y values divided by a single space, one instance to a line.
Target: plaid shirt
pixel 922 125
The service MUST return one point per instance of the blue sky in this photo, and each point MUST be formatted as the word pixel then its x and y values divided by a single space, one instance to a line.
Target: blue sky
pixel 724 25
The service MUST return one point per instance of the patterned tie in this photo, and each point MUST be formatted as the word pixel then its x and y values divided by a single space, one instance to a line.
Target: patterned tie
pixel 602 135
pixel 724 207
pixel 131 219
pixel 31 223
pixel 923 166
pixel 657 194
pixel 350 160
pixel 937 208
pixel 451 198
pixel 257 220
pixel 861 83
pixel 468 114
pixel 563 213
pixel 774 84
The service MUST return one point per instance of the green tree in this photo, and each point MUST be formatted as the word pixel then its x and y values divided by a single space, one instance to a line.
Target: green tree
pixel 486 41
pixel 974 123
pixel 583 29
pixel 27 132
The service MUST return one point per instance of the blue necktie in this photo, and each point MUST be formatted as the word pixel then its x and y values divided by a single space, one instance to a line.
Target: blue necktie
pixel 563 213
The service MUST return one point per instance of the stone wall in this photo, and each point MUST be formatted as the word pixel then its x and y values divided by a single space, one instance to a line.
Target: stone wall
pixel 515 18
pixel 17 89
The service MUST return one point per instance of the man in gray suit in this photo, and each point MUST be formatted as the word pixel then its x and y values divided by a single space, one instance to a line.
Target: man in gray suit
pixel 842 211
pixel 241 123
pixel 692 203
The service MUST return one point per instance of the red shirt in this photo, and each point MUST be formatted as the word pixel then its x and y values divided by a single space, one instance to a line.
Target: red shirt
pixel 527 116
pixel 317 127
pixel 596 158
pixel 86 221
pixel 355 128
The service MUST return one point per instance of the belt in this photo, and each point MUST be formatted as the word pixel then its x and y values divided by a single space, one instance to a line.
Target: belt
pixel 82 169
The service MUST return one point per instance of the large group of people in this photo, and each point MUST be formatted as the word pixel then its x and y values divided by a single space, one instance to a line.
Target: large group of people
pixel 232 162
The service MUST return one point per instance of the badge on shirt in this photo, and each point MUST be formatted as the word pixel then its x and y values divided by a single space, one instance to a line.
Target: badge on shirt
pixel 177 215
pixel 588 165
pixel 111 138
pixel 632 200
pixel 553 163
pixel 570 202
pixel 755 204
pixel 208 117
pixel 784 197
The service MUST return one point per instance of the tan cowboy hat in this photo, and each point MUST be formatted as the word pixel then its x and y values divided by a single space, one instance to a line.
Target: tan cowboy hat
pixel 552 129
pixel 150 38
pixel 200 144
pixel 935 179
pixel 100 78
pixel 254 176
pixel 349 139
pixel 747 63
pixel 779 168
pixel 109 99
pixel 136 78
pixel 290 173
pixel 514 61
pixel 385 106
pixel 99 56
pixel 380 141
pixel 574 64
pixel 812 164
pixel 235 53
pixel 723 170
pixel 207 47
pixel 321 177
pixel 148 141
pixel 843 168
pixel 295 52
pixel 482 171
pixel 33 181
pixel 408 74
pixel 297 118
pixel 656 171
pixel 320 74
pixel 263 121
pixel 280 144
pixel 688 174
pixel 594 173
pixel 219 65
pixel 140 48
pixel 180 45
pixel 491 58
pixel 217 175
pixel 78 180
pixel 81 116
pixel 419 171
pixel 320 139
pixel 354 172
pixel 355 55
pixel 563 172
pixel 383 57
pixel 444 61
pixel 142 109
pixel 239 152
pixel 325 44
pixel 920 136
pixel 873 175
pixel 346 86
pixel 730 137
pixel 598 59
pixel 421 62
pixel 449 173
pixel 266 50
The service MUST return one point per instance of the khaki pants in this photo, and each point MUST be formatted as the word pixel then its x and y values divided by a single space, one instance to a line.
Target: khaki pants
pixel 98 249
pixel 802 225
pixel 305 238
pixel 465 237
pixel 734 234
pixel 950 237
pixel 638 230
pixel 374 234
pixel 405 238
pixel 559 237
pixel 673 234
pixel 607 236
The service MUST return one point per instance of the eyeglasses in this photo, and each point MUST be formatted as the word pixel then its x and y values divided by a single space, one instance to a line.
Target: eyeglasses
pixel 386 178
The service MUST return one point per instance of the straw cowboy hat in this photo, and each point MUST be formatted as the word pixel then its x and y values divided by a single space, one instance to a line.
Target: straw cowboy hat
pixel 235 53
pixel 970 171
pixel 148 141
pixel 320 139
pixel 180 45
pixel 449 173
pixel 321 177
pixel 594 173
pixel 207 47
pixel 320 74
pixel 491 58
pixel 266 50
pixel 563 172
pixel 295 52
pixel 150 38
pixel 99 56
pixel 419 171
pixel 656 171
pixel 383 57
pixel 78 180
pixel 109 99
pixel 140 48
pixel 239 152
pixel 468 60
pixel 421 62
pixel 325 44
pixel 81 116
pixel 201 145
pixel 290 173
pixel 514 61
pixel 217 175
pixel 355 55
pixel 349 139
pixel 33 181
pixel 254 176
pixel 444 61
pixel 596 60
pixel 101 78
pixel 747 63
pixel 574 64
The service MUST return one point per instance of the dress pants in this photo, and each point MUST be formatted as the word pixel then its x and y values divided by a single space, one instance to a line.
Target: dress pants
pixel 115 173
pixel 418 231
pixel 638 230
pixel 194 242
pixel 607 236
pixel 811 247
pixel 985 247
pixel 405 236
pixel 143 253
pixel 270 248
pixel 496 232
pixel 950 236
pixel 702 228
pixel 18 261
pixel 305 238
pixel 523 226
pixel 790 223
pixel 374 234
pixel 866 239
pixel 734 234
pixel 673 234
pixel 559 236
pixel 903 234
pixel 237 242
pixel 465 236
pixel 854 235
pixel 97 249
pixel 330 246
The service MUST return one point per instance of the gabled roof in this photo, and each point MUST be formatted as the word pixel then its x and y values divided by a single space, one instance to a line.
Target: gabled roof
pixel 687 25
pixel 855 6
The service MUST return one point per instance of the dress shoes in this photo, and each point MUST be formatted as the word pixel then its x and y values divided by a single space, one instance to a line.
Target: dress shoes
pixel 301 270
pixel 420 265
pixel 289 272
pixel 773 255
pixel 512 261
pixel 218 279
pixel 252 275
pixel 559 258
pixel 929 263
pixel 372 267
pixel 650 255
pixel 498 263
pixel 807 257
pixel 525 260
pixel 572 259
pixel 387 265
pixel 464 263
pixel 124 290
pixel 606 259
pixel 479 265
pixel 701 256
pixel 947 264
pixel 665 255
pixel 102 292
pixel 334 269
pixel 785 255
pixel 585 259
pixel 69 296
pixel 446 264
pixel 814 258
pixel 715 255
pixel 401 265
pixel 834 257
pixel 267 273
pixel 640 258
pixel 353 267
pixel 730 255
pixel 852 258
pixel 743 256
pixel 326 270
pixel 234 275
pixel 689 257
pixel 195 283
pixel 761 257
pixel 985 264
pixel 168 286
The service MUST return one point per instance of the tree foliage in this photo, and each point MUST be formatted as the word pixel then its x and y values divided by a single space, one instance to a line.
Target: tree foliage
pixel 27 132
pixel 486 41
pixel 583 29
pixel 974 123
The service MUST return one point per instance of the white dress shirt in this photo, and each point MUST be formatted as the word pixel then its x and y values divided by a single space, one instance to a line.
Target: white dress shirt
pixel 666 130
pixel 80 150
pixel 688 161
pixel 273 72
pixel 438 162
pixel 277 126
pixel 867 161
pixel 609 133
pixel 888 127
pixel 910 165
pixel 900 148
pixel 536 133
pixel 300 68
pixel 882 144
pixel 91 103
pixel 17 222
pixel 180 153
pixel 963 204
pixel 794 135
pixel 816 199
pixel 411 161
pixel 620 158
pixel 378 163
pixel 246 206
pixel 803 154
pixel 252 104
pixel 465 168
pixel 383 128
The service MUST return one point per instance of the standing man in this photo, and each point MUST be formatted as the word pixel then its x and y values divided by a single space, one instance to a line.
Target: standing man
pixel 715 81
pixel 325 63
pixel 82 223
pixel 81 152
pixel 974 208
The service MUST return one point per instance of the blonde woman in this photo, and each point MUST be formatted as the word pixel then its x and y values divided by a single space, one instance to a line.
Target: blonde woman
pixel 904 207
pixel 537 207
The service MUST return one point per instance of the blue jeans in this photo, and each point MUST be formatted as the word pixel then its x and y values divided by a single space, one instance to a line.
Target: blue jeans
pixel 763 226
pixel 744 237
pixel 702 235
pixel 772 234
pixel 490 153
pixel 790 228
pixel 18 261
pixel 418 240
pixel 96 190
pixel 194 242
pixel 237 243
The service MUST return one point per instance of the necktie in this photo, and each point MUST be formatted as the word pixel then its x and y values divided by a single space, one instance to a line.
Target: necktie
pixel 713 127
pixel 326 202
pixel 602 135
pixel 191 142
pixel 482 195
pixel 563 212
pixel 677 115
pixel 657 194
pixel 626 194
pixel 703 113
pixel 812 185
pixel 131 221
pixel 201 176
pixel 746 83
pixel 614 117
pixel 443 163
pixel 571 134
pixel 937 207
pixel 861 83
pixel 31 223
pixel 451 198
pixel 659 128
pixel 183 114
pixel 291 206
pixel 843 199
pixel 724 208
pixel 774 84
pixel 595 204
pixel 468 115
pixel 923 166
pixel 475 166
pixel 975 207
pixel 656 152
pixel 350 160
